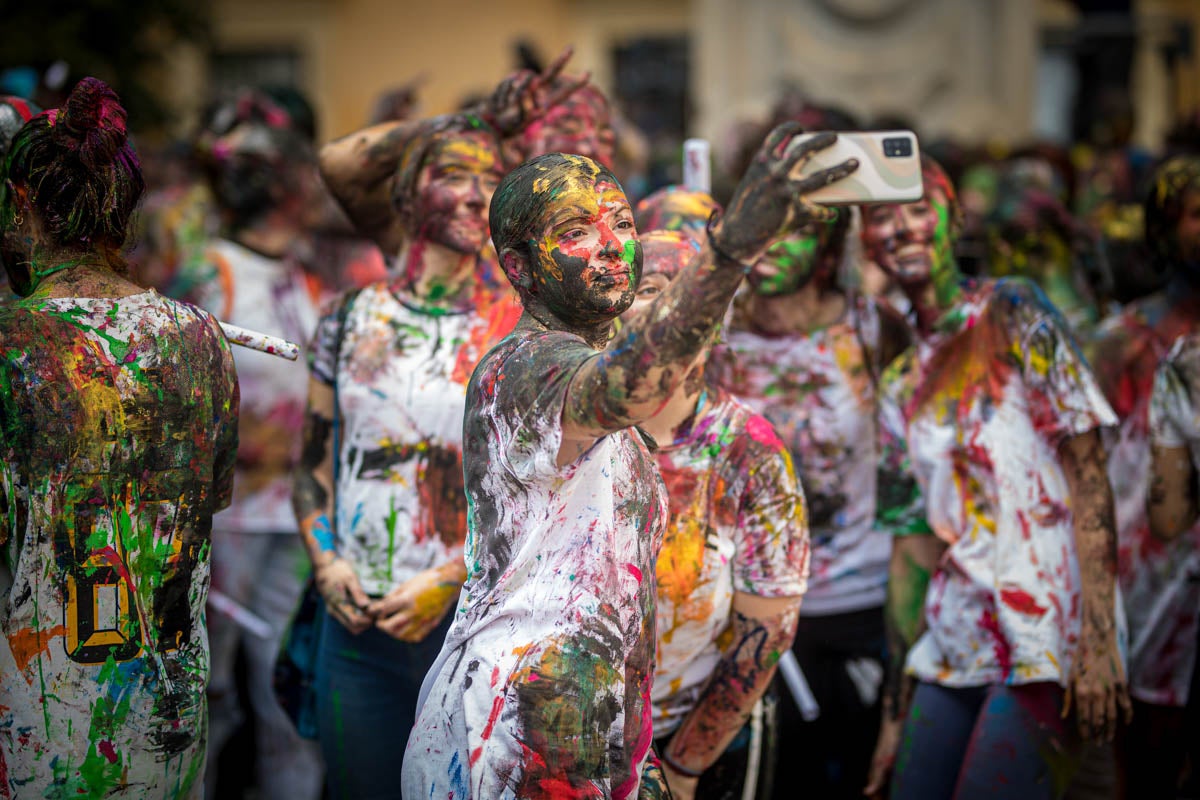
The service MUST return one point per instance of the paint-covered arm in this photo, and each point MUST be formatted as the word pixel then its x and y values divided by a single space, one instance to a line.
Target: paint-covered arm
pixel 899 510
pixel 1172 504
pixel 1097 681
pixel 914 560
pixel 646 361
pixel 312 501
pixel 761 629
pixel 358 169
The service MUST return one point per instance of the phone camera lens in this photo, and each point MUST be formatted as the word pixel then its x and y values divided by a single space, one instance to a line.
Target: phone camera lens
pixel 897 147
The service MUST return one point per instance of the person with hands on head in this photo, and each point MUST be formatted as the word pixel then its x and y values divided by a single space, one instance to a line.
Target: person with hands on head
pixel 542 686
pixel 731 572
pixel 1001 607
pixel 379 490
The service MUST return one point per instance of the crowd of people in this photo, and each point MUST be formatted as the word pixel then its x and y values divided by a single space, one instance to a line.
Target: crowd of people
pixel 577 494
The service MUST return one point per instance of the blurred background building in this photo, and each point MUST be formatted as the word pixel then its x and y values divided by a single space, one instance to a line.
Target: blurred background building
pixel 971 69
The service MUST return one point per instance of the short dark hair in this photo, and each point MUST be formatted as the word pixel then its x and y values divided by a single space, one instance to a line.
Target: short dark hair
pixel 81 173
pixel 521 199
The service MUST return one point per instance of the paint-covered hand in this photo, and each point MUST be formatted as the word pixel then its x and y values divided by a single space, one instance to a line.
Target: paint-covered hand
pixel 414 608
pixel 525 96
pixel 884 758
pixel 1097 685
pixel 343 594
pixel 769 201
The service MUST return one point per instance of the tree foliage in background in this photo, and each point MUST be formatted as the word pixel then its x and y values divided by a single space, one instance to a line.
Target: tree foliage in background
pixel 119 41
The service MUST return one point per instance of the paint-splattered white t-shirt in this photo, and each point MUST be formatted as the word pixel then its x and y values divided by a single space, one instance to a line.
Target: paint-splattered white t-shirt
pixel 400 375
pixel 977 411
pixel 816 389
pixel 118 433
pixel 542 688
pixel 277 297
pixel 737 525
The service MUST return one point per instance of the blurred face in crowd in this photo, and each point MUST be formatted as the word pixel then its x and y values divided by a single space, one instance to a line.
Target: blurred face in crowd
pixel 454 190
pixel 580 125
pixel 910 241
pixel 664 255
pixel 789 264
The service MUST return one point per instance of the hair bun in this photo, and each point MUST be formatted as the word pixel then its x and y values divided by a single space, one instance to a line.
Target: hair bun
pixel 92 123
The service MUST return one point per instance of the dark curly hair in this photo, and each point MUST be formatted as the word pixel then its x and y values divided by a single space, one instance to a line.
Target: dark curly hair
pixel 80 173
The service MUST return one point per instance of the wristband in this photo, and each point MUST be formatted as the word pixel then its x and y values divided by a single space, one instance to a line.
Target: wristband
pixel 677 767
pixel 723 254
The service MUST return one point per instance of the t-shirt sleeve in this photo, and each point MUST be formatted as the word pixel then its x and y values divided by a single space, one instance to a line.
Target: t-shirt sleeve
pixel 529 395
pixel 1173 413
pixel 771 542
pixel 1063 395
pixel 899 502
pixel 323 347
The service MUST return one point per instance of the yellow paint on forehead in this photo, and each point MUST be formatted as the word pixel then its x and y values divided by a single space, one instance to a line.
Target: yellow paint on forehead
pixel 468 150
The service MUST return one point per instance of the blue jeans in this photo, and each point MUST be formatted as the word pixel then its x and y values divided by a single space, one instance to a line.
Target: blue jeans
pixel 986 742
pixel 367 687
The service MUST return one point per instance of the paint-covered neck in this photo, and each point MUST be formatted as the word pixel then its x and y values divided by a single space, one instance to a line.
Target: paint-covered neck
pixel 435 277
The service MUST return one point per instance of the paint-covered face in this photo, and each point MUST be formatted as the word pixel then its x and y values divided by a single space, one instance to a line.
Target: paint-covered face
pixel 910 241
pixel 664 255
pixel 454 190
pixel 588 260
pixel 579 125
pixel 789 264
pixel 1188 231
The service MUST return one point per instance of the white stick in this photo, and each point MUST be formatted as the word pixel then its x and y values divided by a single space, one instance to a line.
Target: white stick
pixel 797 684
pixel 261 342
pixel 244 617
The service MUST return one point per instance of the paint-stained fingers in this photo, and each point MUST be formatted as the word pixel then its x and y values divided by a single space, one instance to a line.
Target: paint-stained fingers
pixel 800 150
pixel 815 212
pixel 776 143
pixel 351 618
pixel 559 96
pixel 394 602
pixel 821 178
pixel 556 66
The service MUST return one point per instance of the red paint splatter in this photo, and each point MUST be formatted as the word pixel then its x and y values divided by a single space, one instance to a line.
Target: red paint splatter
pixel 634 571
pixel 1000 646
pixel 108 751
pixel 497 707
pixel 1022 601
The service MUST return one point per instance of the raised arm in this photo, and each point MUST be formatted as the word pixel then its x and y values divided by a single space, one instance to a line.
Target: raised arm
pixel 358 169
pixel 1097 681
pixel 630 380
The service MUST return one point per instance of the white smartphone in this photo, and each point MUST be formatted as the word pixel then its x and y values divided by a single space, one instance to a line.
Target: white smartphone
pixel 889 168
